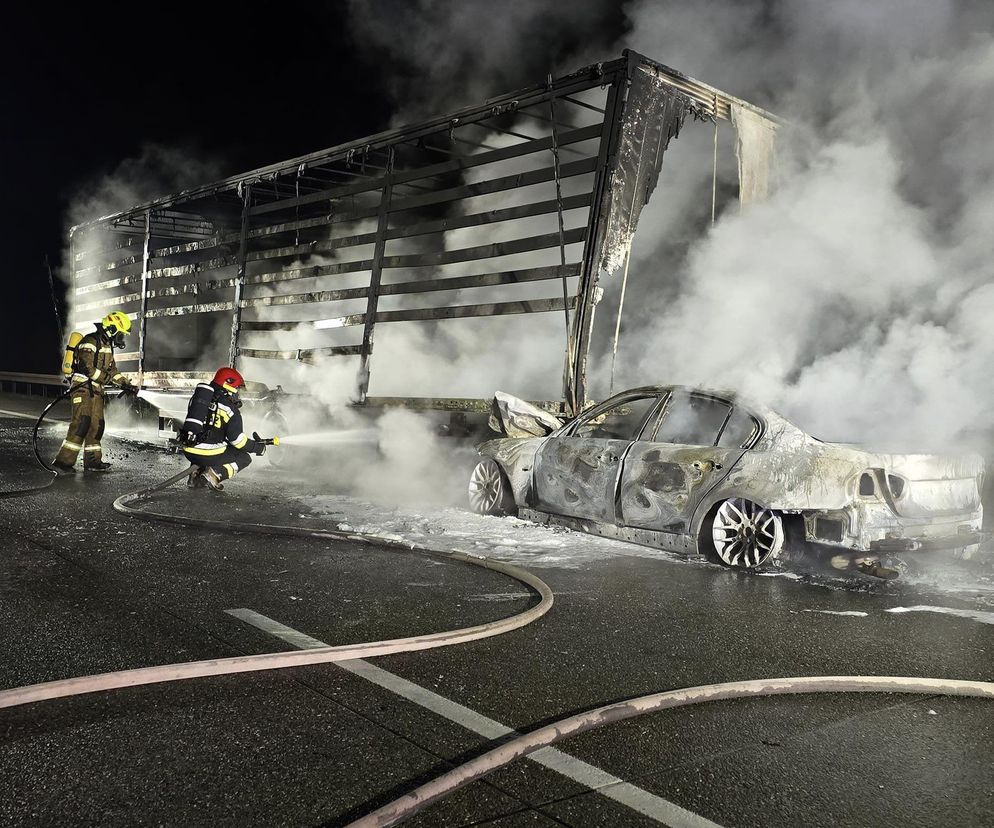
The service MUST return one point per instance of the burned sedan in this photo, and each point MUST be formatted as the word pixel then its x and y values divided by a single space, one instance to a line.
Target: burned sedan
pixel 693 470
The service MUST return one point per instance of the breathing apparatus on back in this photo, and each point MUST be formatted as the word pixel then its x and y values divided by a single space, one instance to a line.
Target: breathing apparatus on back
pixel 223 388
pixel 70 356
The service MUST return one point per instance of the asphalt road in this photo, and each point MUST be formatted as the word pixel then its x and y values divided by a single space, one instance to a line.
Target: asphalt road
pixel 84 589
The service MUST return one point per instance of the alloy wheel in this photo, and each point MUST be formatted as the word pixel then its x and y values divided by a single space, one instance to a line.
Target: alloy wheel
pixel 488 492
pixel 745 534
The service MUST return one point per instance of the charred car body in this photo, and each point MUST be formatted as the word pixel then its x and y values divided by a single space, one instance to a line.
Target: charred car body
pixel 693 470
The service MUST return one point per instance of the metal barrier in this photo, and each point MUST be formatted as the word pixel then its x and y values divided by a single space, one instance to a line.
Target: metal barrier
pixel 38 385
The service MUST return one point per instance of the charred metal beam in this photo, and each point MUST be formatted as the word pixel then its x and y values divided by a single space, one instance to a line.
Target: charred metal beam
pixel 308 298
pixel 419 314
pixel 486 251
pixel 500 154
pixel 268 277
pixel 317 221
pixel 575 374
pixel 142 317
pixel 372 299
pixel 467 311
pixel 236 311
pixel 195 289
pixel 590 77
pixel 538 208
pixel 585 105
pixel 301 354
pixel 496 185
pixel 317 246
pixel 504 277
pixel 101 251
pixel 195 268
pixel 186 310
pixel 364 186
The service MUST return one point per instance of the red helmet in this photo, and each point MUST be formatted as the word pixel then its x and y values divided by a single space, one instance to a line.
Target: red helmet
pixel 229 379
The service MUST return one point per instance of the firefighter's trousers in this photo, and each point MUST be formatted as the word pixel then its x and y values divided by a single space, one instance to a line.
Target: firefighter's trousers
pixel 85 428
pixel 227 464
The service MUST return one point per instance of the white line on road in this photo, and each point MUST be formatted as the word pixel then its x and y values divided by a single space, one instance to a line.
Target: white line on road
pixel 975 615
pixel 21 415
pixel 655 807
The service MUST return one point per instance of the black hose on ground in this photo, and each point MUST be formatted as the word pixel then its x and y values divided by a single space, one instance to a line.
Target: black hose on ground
pixel 38 457
pixel 41 419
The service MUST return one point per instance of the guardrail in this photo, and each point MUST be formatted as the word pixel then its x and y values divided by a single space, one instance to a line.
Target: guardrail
pixel 39 385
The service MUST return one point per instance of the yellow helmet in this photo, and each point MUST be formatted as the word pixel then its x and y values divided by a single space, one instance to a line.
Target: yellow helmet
pixel 116 322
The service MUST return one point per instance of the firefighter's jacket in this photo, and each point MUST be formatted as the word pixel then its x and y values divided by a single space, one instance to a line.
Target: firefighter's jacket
pixel 216 424
pixel 94 362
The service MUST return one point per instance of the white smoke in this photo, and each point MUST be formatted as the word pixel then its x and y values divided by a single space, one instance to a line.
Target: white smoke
pixel 857 298
pixel 443 54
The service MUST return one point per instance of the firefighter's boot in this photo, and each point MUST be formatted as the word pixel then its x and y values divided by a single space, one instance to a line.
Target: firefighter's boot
pixel 96 465
pixel 196 479
pixel 63 468
pixel 213 479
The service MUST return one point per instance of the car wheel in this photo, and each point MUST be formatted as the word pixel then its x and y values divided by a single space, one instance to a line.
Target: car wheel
pixel 490 490
pixel 745 534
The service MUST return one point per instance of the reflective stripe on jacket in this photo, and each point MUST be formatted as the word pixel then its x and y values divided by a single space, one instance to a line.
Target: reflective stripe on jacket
pixel 95 361
pixel 222 428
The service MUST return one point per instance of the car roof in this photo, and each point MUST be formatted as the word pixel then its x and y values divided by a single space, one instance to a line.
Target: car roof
pixel 721 393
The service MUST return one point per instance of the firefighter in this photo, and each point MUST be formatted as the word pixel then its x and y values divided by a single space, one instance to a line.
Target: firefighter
pixel 212 433
pixel 93 367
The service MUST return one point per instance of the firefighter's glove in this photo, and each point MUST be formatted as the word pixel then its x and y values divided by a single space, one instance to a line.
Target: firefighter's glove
pixel 188 438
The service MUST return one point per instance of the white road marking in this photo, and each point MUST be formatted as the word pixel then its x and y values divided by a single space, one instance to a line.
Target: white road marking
pixel 590 776
pixel 22 416
pixel 974 615
pixel 855 613
pixel 18 414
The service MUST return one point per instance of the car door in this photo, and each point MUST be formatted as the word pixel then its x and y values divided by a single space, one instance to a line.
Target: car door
pixel 693 446
pixel 576 472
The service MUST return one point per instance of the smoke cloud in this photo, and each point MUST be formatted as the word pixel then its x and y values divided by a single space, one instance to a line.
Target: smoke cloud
pixel 857 299
pixel 442 54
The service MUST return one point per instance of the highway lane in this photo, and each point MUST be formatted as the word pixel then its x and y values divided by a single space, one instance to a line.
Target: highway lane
pixel 83 589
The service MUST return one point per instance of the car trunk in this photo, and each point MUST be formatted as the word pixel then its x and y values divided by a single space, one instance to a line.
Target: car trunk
pixel 935 485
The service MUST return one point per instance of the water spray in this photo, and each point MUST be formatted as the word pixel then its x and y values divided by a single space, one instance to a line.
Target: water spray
pixel 322 438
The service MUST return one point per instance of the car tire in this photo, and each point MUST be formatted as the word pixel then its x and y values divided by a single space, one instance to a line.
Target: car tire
pixel 490 490
pixel 742 534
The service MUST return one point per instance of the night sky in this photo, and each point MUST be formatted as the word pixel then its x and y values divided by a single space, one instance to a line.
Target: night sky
pixel 83 90
pixel 232 87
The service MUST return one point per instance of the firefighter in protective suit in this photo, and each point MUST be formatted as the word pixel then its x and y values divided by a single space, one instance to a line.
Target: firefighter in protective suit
pixel 212 434
pixel 93 367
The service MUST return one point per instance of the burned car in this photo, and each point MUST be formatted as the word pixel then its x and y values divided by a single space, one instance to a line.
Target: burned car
pixel 687 469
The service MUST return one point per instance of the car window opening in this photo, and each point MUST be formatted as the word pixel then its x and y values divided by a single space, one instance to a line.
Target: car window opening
pixel 739 431
pixel 622 422
pixel 693 420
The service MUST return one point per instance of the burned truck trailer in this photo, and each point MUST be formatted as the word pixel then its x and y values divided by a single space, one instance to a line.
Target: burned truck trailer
pixel 517 206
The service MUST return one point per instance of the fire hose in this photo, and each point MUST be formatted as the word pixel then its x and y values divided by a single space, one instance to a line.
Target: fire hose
pixel 436 789
pixel 270 661
pixel 37 453
pixel 433 791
